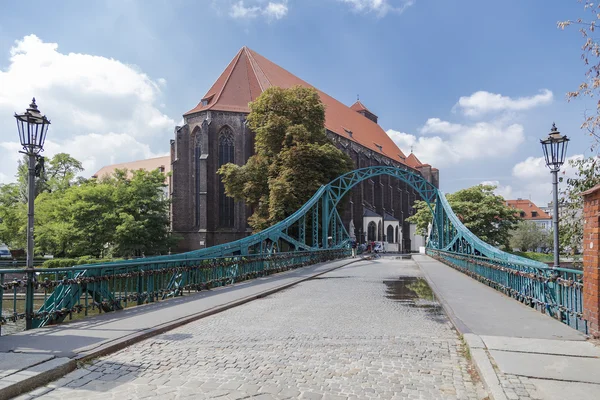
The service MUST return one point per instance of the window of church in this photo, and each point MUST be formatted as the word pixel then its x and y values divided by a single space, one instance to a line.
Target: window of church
pixel 390 234
pixel 197 152
pixel 226 155
pixel 372 232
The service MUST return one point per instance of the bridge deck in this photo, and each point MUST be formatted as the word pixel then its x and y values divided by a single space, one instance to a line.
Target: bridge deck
pixel 27 355
pixel 370 330
pixel 533 354
pixel 485 311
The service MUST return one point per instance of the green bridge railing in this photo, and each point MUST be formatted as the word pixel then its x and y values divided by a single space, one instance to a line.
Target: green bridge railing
pixel 79 291
pixel 555 291
pixel 315 232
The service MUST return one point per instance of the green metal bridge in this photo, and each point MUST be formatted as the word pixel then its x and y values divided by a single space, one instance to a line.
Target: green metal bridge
pixel 314 233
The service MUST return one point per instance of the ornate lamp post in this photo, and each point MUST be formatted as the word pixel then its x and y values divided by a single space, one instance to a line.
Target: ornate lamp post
pixel 555 150
pixel 32 133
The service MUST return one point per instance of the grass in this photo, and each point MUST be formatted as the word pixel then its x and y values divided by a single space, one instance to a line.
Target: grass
pixel 535 256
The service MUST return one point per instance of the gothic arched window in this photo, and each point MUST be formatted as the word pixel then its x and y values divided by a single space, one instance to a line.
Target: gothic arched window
pixel 226 155
pixel 197 153
pixel 372 232
pixel 390 234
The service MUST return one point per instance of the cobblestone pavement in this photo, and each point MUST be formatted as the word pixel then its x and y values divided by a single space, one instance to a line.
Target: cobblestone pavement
pixel 334 337
pixel 518 387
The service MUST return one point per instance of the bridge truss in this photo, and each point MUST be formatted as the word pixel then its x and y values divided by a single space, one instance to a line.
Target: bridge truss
pixel 313 233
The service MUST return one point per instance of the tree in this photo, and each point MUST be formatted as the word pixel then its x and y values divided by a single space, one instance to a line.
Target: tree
pixel 528 236
pixel 56 173
pixel 571 201
pixel 590 87
pixel 292 159
pixel 62 171
pixel 120 215
pixel 13 216
pixel 479 209
pixel 142 214
pixel 588 169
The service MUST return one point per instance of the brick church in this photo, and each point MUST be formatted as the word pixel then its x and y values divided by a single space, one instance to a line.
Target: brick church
pixel 215 133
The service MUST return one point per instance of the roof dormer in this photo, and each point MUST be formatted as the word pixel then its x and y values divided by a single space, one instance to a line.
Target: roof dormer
pixel 364 111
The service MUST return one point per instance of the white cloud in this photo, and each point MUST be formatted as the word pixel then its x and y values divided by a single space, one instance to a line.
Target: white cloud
pixel 93 150
pixel 531 179
pixel 482 102
pixel 276 10
pixel 535 169
pixel 501 190
pixel 379 7
pixel 102 110
pixel 482 140
pixel 239 10
pixel 271 10
pixel 436 125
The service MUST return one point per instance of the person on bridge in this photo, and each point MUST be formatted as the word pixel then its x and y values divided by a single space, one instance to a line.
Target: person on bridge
pixel 354 249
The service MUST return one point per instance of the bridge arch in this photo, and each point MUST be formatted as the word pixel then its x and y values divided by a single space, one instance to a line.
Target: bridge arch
pixel 339 187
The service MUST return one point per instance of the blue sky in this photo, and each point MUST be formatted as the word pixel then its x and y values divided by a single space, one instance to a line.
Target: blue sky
pixel 470 85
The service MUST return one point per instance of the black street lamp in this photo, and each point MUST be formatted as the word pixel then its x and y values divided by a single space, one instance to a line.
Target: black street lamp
pixel 33 127
pixel 555 150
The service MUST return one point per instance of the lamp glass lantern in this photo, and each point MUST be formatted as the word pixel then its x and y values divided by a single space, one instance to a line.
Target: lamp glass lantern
pixel 555 149
pixel 32 126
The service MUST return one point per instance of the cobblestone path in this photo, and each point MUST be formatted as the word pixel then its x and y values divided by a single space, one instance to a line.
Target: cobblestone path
pixel 337 336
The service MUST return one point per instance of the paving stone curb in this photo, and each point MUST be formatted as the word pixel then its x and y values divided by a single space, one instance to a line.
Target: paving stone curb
pixel 55 368
pixel 474 343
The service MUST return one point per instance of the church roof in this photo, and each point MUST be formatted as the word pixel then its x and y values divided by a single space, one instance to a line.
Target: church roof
pixel 367 212
pixel 249 74
pixel 413 161
pixel 358 106
pixel 162 163
pixel 389 217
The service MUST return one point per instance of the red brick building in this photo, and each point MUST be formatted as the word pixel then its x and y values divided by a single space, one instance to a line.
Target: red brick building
pixel 215 133
pixel 530 212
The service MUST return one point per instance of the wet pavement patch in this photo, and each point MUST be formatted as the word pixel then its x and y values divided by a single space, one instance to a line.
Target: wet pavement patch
pixel 414 292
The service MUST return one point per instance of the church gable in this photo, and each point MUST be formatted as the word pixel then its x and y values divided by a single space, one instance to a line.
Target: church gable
pixel 249 73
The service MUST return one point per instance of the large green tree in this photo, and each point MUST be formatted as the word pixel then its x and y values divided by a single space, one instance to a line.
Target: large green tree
pixel 479 209
pixel 528 236
pixel 122 215
pixel 292 159
pixel 56 174
pixel 588 168
pixel 571 202
pixel 13 214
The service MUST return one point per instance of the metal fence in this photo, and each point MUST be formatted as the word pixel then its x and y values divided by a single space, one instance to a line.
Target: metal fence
pixel 82 290
pixel 557 292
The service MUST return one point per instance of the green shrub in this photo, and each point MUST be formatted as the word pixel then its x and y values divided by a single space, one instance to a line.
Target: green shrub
pixel 69 262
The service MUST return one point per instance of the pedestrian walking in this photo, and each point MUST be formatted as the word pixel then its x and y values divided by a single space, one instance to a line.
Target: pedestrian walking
pixel 354 249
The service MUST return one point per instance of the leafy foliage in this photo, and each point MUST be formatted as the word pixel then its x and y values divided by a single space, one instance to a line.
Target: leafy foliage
pixel 122 215
pixel 13 214
pixel 479 209
pixel 69 262
pixel 422 216
pixel 591 58
pixel 293 156
pixel 528 236
pixel 571 202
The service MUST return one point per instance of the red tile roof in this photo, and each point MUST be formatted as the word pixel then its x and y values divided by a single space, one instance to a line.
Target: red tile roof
pixel 249 73
pixel 149 165
pixel 527 206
